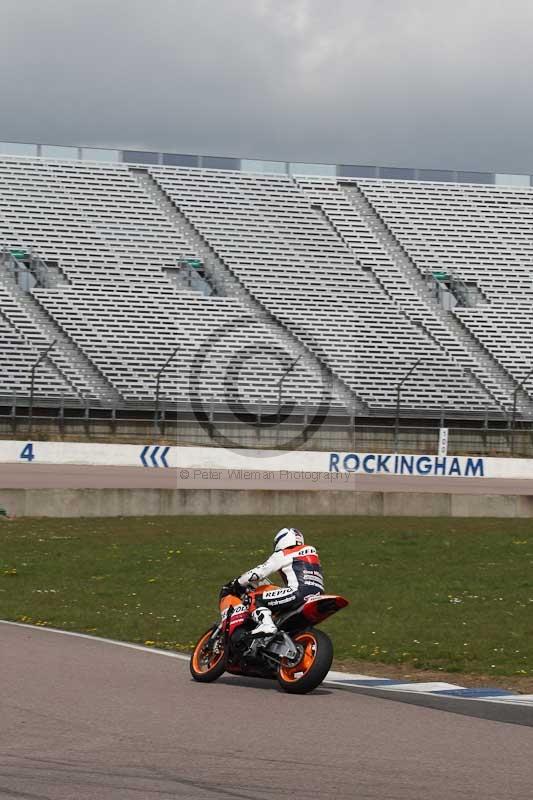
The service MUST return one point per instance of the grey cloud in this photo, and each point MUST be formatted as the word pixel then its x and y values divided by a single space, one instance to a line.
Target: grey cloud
pixel 401 82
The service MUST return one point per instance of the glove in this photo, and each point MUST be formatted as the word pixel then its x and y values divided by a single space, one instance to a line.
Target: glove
pixel 236 588
pixel 233 587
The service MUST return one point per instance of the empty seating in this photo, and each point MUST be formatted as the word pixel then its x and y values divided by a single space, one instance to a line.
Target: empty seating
pixel 299 249
pixel 266 231
pixel 17 358
pixel 224 354
pixel 480 234
pixel 94 219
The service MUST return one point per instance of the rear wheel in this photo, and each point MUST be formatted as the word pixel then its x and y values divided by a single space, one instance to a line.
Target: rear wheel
pixel 207 660
pixel 313 666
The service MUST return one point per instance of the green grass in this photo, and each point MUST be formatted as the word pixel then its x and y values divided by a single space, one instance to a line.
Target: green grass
pixel 454 595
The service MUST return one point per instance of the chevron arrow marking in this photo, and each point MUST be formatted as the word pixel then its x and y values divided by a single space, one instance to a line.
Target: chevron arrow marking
pixel 151 457
pixel 163 456
pixel 143 454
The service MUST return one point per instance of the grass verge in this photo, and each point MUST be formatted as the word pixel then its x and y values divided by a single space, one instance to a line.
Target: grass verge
pixel 449 596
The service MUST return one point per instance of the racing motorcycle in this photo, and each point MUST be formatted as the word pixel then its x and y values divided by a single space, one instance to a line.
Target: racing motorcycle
pixel 297 656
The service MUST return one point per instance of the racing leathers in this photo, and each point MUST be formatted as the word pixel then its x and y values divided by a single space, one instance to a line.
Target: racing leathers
pixel 300 571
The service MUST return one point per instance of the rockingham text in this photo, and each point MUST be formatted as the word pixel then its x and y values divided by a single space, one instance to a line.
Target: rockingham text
pixel 394 464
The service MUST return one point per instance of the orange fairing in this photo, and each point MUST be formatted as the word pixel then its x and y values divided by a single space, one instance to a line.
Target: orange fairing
pixel 256 594
pixel 238 615
pixel 229 600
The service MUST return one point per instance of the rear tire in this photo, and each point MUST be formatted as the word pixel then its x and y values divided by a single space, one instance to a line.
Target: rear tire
pixel 206 667
pixel 313 666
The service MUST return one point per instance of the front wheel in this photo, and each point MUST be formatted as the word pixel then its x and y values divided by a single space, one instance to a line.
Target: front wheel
pixel 207 660
pixel 310 671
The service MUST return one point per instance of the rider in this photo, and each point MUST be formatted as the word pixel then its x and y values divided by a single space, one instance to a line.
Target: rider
pixel 300 571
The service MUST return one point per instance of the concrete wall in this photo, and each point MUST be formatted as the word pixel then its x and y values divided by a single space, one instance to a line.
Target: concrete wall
pixel 461 441
pixel 149 502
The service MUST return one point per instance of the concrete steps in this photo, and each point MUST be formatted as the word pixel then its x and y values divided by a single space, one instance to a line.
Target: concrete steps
pixel 66 359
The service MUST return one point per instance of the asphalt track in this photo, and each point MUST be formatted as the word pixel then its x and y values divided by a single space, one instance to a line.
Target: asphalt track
pixel 82 719
pixel 51 476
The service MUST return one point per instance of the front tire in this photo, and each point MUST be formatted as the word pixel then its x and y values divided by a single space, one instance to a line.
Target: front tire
pixel 205 665
pixel 312 667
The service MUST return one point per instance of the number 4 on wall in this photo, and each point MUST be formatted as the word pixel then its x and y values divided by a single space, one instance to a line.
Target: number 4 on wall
pixel 27 452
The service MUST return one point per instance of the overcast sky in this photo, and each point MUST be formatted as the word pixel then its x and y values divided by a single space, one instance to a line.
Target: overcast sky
pixel 426 83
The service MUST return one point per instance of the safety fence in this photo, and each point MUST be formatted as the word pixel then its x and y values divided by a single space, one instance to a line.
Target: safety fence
pixel 285 428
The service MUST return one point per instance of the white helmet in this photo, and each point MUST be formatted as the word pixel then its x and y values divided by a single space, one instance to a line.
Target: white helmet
pixel 288 537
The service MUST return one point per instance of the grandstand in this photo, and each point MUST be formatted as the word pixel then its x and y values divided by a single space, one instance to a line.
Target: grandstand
pixel 320 287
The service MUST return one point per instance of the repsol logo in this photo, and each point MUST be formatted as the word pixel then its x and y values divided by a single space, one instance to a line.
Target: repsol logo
pixel 374 463
pixel 307 551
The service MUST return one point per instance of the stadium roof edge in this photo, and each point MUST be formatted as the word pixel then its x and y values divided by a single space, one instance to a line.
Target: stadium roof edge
pixel 148 157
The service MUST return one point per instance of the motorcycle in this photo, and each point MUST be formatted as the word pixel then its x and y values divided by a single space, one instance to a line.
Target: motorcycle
pixel 297 656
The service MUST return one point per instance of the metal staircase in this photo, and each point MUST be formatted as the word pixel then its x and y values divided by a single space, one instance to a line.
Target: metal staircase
pixel 457 340
pixel 226 283
pixel 66 359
